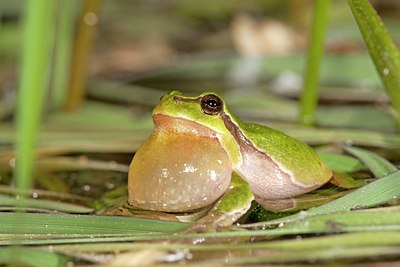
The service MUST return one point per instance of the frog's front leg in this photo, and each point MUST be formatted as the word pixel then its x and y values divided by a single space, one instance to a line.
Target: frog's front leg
pixel 229 208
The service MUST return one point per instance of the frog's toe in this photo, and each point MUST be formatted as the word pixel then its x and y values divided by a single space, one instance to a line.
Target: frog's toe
pixel 201 228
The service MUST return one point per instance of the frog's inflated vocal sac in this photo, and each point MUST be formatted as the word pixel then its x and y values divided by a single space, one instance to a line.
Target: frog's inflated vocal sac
pixel 199 152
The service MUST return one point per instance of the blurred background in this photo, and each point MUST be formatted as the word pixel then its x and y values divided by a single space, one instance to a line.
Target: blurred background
pixel 108 63
pixel 253 46
pixel 79 79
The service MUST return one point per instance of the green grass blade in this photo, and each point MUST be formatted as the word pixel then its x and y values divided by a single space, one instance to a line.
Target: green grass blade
pixel 341 163
pixel 44 204
pixel 309 97
pixel 373 194
pixel 345 180
pixel 378 192
pixel 377 165
pixel 61 229
pixel 33 83
pixel 83 224
pixel 19 256
pixel 336 254
pixel 383 50
pixel 343 240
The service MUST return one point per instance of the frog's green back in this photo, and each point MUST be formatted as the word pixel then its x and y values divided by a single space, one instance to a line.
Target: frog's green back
pixel 304 163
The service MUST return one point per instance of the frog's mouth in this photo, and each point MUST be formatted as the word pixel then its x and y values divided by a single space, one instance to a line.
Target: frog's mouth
pixel 168 123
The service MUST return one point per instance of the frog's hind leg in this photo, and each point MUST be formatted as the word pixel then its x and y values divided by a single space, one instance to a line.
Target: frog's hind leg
pixel 228 209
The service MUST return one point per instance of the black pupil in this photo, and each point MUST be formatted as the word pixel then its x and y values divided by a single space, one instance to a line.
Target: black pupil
pixel 212 103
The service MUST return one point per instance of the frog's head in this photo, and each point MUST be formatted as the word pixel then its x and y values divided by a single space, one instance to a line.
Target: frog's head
pixel 186 163
pixel 205 109
pixel 206 114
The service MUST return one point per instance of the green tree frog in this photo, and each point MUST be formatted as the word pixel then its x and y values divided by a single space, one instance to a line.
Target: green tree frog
pixel 200 153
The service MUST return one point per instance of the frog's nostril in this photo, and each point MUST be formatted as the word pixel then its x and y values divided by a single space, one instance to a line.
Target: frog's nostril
pixel 181 99
pixel 175 92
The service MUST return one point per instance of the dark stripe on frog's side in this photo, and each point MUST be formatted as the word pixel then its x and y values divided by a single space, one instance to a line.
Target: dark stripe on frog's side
pixel 236 132
pixel 245 144
pixel 264 175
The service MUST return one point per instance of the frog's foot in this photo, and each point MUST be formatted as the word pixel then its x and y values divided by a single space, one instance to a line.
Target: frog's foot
pixel 232 205
pixel 228 209
pixel 213 222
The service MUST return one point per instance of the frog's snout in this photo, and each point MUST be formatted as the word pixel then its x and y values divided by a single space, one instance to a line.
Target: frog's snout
pixel 175 93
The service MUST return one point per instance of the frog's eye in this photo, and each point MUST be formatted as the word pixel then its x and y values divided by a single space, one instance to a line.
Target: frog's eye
pixel 211 104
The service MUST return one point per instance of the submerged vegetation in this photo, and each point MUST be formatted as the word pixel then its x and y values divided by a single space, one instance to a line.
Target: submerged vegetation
pixel 67 140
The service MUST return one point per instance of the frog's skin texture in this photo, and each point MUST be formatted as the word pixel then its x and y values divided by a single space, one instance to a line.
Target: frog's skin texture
pixel 197 143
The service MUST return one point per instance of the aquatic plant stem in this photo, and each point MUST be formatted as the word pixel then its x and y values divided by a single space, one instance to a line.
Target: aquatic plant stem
pixel 309 97
pixel 83 44
pixel 383 50
pixel 62 53
pixel 35 66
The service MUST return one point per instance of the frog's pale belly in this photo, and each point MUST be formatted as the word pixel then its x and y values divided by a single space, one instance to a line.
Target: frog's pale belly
pixel 177 170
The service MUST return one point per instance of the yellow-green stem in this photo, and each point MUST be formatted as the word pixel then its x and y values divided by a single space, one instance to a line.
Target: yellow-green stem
pixel 84 39
pixel 62 53
pixel 383 50
pixel 309 97
pixel 33 83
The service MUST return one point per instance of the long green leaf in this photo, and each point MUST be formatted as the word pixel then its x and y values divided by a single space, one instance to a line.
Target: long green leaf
pixel 19 256
pixel 377 165
pixel 323 256
pixel 343 240
pixel 341 163
pixel 45 205
pixel 33 80
pixel 83 224
pixel 61 229
pixel 383 50
pixel 378 192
